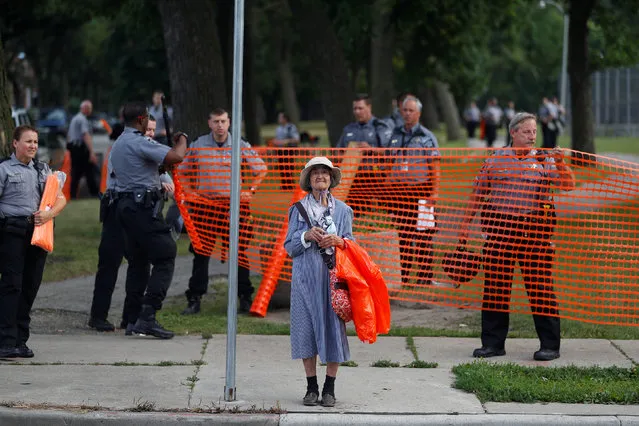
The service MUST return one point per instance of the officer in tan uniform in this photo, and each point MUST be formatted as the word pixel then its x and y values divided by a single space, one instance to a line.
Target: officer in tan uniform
pixel 513 192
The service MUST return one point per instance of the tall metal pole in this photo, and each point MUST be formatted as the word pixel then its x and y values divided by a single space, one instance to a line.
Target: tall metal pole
pixel 564 63
pixel 236 156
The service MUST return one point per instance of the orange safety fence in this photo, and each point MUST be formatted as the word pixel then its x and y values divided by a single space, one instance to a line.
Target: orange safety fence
pixel 66 168
pixel 583 265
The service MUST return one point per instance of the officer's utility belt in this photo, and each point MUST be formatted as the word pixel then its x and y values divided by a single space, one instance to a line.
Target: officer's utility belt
pixel 18 225
pixel 76 142
pixel 147 197
pixel 537 225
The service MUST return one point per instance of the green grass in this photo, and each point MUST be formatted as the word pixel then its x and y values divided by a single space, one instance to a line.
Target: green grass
pixel 212 318
pixel 76 241
pixel 385 363
pixel 574 385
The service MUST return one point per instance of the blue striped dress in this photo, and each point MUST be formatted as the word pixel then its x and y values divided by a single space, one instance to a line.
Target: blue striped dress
pixel 315 327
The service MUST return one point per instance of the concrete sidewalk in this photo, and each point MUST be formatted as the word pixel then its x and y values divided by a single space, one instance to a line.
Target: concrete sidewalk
pixel 113 379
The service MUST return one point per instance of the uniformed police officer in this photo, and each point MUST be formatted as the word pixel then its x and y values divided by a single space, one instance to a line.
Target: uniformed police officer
pixel 111 253
pixel 213 178
pixel 366 132
pixel 513 191
pixel 156 110
pixel 135 183
pixel 413 184
pixel 286 135
pixel 80 146
pixel 22 181
pixel 492 116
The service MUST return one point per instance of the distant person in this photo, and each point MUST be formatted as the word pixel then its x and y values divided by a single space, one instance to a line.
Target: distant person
pixel 413 183
pixel 492 117
pixel 548 115
pixel 80 146
pixel 472 116
pixel 561 115
pixel 509 113
pixel 157 111
pixel 286 136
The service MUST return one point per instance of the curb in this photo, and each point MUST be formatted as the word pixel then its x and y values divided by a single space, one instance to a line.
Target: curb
pixel 25 417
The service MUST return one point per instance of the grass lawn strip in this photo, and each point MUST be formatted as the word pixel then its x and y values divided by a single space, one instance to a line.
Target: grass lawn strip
pixel 571 385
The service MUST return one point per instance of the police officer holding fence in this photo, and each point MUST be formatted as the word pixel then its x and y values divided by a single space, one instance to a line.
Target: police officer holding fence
pixel 22 181
pixel 512 190
pixel 210 177
pixel 133 166
pixel 367 131
pixel 413 189
pixel 111 253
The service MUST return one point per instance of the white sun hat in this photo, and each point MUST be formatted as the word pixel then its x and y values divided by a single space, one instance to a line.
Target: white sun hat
pixel 336 173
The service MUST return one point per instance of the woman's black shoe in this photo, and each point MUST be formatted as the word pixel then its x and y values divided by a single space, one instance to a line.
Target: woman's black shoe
pixel 311 398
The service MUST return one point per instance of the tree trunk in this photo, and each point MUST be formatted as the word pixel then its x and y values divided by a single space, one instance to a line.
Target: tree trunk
pixel 579 71
pixel 281 39
pixel 430 117
pixel 328 61
pixel 6 122
pixel 196 69
pixel 251 119
pixel 448 108
pixel 382 44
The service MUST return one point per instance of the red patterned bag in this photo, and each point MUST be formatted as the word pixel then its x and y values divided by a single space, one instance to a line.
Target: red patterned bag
pixel 340 299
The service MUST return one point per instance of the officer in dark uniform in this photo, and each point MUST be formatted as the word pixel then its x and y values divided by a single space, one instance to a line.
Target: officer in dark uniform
pixel 413 190
pixel 513 192
pixel 22 181
pixel 367 131
pixel 111 253
pixel 210 178
pixel 133 163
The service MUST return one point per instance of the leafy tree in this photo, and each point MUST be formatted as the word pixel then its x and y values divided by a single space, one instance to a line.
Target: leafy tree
pixel 607 28
pixel 6 122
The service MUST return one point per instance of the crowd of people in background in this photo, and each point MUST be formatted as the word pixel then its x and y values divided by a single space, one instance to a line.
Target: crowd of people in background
pixel 551 114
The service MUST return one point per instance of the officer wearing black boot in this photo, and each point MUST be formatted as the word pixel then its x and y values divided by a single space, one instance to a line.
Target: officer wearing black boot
pixel 111 253
pixel 513 192
pixel 133 163
pixel 22 182
pixel 213 178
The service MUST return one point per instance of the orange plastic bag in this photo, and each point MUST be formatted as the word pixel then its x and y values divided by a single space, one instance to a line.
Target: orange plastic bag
pixel 361 299
pixel 43 234
pixel 368 291
pixel 376 284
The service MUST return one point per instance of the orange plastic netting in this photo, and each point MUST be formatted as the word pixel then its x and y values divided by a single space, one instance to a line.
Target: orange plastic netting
pixel 582 265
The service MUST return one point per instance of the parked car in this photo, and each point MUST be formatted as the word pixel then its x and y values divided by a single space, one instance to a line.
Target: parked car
pixel 51 145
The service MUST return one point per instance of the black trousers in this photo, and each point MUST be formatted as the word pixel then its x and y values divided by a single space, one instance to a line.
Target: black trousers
pixel 81 166
pixel 148 242
pixel 416 246
pixel 517 243
pixel 110 255
pixel 363 190
pixel 21 266
pixel 491 134
pixel 471 127
pixel 218 222
pixel 286 166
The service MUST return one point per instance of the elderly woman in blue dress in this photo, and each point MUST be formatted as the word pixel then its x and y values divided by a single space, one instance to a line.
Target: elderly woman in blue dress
pixel 315 327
